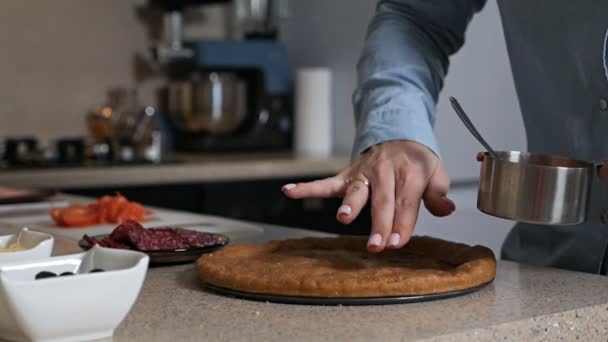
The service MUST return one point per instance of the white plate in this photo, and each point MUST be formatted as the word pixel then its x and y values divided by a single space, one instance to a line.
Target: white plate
pixel 234 229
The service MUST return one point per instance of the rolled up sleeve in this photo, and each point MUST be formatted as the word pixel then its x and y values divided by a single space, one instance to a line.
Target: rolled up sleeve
pixel 402 67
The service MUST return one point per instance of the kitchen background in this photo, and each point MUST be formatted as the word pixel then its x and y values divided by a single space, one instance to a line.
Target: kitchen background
pixel 60 57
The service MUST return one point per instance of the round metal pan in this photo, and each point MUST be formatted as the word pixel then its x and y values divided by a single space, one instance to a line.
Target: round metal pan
pixel 340 301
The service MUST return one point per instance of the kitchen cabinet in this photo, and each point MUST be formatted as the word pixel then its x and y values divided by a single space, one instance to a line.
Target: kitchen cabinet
pixel 252 200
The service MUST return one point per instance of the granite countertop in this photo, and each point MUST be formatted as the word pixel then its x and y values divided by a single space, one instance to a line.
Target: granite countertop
pixel 523 303
pixel 187 168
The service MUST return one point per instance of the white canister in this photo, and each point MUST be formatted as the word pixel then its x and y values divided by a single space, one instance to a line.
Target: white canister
pixel 313 108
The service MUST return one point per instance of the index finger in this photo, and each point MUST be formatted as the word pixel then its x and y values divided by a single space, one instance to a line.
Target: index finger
pixel 323 188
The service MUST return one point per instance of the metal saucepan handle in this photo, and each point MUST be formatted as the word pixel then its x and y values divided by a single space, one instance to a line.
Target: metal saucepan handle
pixel 598 166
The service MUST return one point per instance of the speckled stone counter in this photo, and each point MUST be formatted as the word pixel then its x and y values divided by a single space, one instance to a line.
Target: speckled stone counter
pixel 523 304
pixel 187 168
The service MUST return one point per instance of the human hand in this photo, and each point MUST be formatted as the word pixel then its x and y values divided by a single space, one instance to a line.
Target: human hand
pixel 396 176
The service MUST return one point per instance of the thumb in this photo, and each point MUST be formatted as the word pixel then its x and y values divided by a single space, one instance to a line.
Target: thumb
pixel 434 197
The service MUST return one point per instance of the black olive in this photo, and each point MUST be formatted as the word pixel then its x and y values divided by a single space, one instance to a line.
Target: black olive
pixel 45 274
pixel 95 270
pixel 66 274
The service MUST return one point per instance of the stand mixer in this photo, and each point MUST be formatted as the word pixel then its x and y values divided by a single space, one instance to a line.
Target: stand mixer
pixel 226 95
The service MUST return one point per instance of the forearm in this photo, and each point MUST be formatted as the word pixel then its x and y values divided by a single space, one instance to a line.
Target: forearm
pixel 402 68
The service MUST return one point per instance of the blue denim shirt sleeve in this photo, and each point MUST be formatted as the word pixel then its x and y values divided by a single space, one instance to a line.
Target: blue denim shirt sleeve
pixel 402 67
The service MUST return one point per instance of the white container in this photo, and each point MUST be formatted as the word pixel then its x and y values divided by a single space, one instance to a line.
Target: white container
pixel 81 307
pixel 37 246
pixel 313 113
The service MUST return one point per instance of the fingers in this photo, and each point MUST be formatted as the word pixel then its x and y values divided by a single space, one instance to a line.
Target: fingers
pixel 434 197
pixel 383 205
pixel 355 199
pixel 408 194
pixel 400 175
pixel 324 188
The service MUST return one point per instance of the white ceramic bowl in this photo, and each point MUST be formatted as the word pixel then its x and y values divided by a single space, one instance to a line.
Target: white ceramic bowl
pixel 37 246
pixel 79 307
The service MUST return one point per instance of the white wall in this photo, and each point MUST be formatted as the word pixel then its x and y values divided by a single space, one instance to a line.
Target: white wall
pixel 331 33
pixel 59 58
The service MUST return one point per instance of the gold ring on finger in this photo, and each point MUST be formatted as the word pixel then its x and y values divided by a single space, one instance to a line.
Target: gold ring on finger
pixel 361 179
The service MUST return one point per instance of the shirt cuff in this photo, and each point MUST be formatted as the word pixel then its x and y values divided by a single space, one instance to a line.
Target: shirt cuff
pixel 390 125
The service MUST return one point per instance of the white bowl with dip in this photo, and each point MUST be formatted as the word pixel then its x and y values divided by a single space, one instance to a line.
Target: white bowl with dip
pixel 30 245
pixel 79 307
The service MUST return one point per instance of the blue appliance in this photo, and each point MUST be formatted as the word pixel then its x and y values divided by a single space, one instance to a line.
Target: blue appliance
pixel 260 60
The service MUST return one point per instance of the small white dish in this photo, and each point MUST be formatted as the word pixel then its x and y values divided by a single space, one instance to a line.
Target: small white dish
pixel 36 245
pixel 80 307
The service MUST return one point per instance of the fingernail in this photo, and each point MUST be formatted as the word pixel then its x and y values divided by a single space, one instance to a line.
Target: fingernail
pixel 451 203
pixel 375 240
pixel 393 240
pixel 344 210
pixel 288 186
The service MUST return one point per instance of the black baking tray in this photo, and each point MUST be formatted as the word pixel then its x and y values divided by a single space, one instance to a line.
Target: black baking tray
pixel 340 301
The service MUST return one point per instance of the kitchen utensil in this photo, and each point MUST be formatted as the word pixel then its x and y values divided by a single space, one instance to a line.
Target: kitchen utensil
pixel 469 125
pixel 259 18
pixel 212 102
pixel 531 188
pixel 144 125
pixel 14 196
pixel 99 124
pixel 535 188
pixel 53 308
pixel 339 301
pixel 173 256
pixel 18 239
pixel 21 150
pixel 36 246
pixel 70 151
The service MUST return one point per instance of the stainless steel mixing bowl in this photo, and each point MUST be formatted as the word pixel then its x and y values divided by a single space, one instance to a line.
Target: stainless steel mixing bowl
pixel 213 102
pixel 535 188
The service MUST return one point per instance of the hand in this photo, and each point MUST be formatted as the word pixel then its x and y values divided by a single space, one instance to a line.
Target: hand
pixel 396 176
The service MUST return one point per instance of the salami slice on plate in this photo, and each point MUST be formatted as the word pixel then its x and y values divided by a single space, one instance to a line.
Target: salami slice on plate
pixel 162 244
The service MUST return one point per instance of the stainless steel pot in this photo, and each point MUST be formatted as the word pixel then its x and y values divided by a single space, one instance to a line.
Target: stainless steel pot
pixel 535 188
pixel 212 102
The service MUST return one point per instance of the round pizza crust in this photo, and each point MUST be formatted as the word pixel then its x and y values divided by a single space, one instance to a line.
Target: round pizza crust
pixel 341 267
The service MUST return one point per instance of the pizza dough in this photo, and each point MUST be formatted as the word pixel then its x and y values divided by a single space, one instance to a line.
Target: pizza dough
pixel 341 267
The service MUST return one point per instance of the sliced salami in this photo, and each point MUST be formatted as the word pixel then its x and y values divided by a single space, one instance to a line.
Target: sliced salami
pixel 126 232
pixel 131 235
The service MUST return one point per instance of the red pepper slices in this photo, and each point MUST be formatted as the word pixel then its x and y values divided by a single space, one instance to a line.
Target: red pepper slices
pixel 108 209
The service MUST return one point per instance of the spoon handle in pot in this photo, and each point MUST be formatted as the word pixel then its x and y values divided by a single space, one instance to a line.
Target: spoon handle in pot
pixel 469 125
